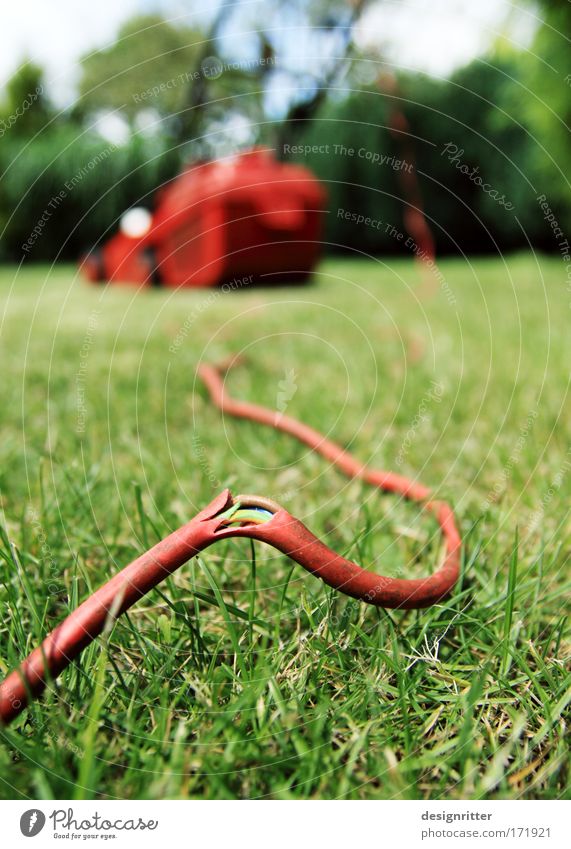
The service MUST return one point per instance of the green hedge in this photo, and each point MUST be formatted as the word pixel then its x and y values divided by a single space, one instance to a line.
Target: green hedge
pixel 62 191
pixel 480 163
pixel 482 156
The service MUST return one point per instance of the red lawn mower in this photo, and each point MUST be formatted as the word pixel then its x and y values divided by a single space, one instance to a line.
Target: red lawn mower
pixel 243 215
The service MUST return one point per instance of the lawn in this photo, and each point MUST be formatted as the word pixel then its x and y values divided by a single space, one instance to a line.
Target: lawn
pixel 242 676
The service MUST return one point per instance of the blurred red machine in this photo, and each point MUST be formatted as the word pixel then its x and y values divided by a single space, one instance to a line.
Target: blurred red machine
pixel 244 215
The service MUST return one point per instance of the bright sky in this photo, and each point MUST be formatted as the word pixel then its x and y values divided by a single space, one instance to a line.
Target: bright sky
pixel 430 35
pixel 438 36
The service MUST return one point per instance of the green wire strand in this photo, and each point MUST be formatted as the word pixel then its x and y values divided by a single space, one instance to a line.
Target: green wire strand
pixel 236 513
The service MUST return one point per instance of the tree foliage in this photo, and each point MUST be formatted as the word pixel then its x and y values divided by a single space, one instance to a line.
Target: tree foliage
pixel 478 157
pixel 149 55
pixel 486 142
pixel 546 104
pixel 25 108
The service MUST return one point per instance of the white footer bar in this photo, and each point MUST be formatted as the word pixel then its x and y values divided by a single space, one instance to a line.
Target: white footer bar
pixel 286 825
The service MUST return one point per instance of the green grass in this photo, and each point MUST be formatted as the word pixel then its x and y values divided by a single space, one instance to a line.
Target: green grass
pixel 243 676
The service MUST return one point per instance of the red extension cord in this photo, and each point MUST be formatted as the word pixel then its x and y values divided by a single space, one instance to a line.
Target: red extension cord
pixel 249 516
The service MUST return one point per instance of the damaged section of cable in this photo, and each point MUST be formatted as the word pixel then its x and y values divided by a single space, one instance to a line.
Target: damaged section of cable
pixel 295 540
pixel 254 517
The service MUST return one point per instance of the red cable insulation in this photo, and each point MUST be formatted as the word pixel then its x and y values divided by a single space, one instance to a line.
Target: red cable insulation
pixel 282 531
